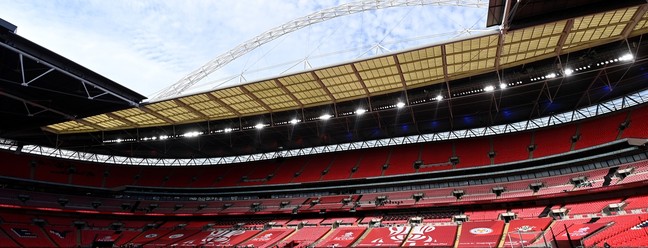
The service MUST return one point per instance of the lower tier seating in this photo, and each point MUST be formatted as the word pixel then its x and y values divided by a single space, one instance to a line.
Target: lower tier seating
pixel 616 229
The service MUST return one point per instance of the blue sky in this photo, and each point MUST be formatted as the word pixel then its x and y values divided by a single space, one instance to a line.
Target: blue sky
pixel 149 45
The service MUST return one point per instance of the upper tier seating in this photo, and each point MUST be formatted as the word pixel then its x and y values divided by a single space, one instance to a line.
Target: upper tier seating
pixel 553 141
pixel 342 167
pixel 313 169
pixel 402 159
pixel 285 172
pixel 599 131
pixel 354 164
pixel 511 147
pixel 637 127
pixel 436 156
pixel 473 152
pixel 117 175
pixel 371 164
pixel 260 172
pixel 183 178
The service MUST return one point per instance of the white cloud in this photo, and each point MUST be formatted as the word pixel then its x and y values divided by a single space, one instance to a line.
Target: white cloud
pixel 148 45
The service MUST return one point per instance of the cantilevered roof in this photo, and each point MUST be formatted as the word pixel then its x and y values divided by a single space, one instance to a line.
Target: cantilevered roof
pixel 379 75
pixel 39 87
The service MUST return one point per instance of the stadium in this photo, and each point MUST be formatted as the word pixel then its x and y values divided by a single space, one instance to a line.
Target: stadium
pixel 531 135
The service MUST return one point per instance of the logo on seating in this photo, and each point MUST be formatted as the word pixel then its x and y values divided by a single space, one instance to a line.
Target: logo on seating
pixel 151 235
pixel 221 236
pixel 525 228
pixel 396 234
pixel 175 236
pixel 266 237
pixel 421 233
pixel 346 236
pixel 23 233
pixel 107 238
pixel 481 231
pixel 60 234
pixel 580 232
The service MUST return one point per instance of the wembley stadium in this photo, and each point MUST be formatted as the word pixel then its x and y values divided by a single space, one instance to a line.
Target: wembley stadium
pixel 532 134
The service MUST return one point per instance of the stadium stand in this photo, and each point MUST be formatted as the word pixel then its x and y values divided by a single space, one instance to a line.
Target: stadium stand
pixel 511 147
pixel 473 153
pixel 371 163
pixel 596 132
pixel 402 160
pixel 314 168
pixel 635 128
pixel 436 156
pixel 324 167
pixel 553 141
pixel 342 167
pixel 287 170
pixel 572 183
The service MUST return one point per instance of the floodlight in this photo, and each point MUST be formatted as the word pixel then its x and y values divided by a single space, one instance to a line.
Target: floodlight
pixel 626 57
pixel 191 134
pixel 569 71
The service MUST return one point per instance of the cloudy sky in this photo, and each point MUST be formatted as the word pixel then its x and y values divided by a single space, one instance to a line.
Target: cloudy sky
pixel 149 45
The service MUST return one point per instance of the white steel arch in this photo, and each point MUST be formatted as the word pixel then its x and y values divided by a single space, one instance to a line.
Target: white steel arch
pixel 294 25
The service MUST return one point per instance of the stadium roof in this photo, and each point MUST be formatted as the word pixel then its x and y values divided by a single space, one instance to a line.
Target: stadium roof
pixel 377 76
pixel 531 61
pixel 39 87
